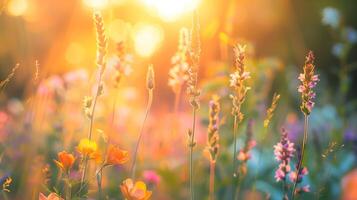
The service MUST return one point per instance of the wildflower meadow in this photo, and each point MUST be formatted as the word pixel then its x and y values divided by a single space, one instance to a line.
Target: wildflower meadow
pixel 178 99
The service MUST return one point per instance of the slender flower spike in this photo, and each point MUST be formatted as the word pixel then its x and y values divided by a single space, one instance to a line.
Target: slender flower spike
pixel 308 81
pixel 237 81
pixel 270 111
pixel 101 41
pixel 213 137
pixel 65 161
pixel 178 73
pixel 283 152
pixel 135 191
pixel 116 156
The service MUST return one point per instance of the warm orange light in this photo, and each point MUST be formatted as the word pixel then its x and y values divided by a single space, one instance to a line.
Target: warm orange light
pixel 96 4
pixel 17 7
pixel 170 10
pixel 75 53
pixel 147 39
pixel 119 30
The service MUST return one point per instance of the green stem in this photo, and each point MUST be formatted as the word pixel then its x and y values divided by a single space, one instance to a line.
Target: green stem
pixel 68 188
pixel 234 174
pixel 84 169
pixel 191 145
pixel 133 167
pixel 306 124
pixel 211 180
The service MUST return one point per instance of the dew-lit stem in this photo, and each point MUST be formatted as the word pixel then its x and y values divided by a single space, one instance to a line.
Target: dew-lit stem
pixel 306 125
pixel 133 167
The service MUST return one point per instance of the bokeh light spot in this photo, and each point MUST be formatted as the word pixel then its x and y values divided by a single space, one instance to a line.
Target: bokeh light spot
pixel 17 7
pixel 147 39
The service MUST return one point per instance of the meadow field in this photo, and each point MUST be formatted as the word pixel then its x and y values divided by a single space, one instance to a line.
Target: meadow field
pixel 178 99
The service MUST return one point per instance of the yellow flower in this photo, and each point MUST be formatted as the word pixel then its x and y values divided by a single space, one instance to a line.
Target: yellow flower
pixel 87 147
pixel 52 196
pixel 116 156
pixel 65 160
pixel 135 191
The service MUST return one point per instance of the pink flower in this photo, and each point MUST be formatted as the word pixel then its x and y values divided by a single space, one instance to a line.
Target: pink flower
pixel 308 81
pixel 283 152
pixel 151 176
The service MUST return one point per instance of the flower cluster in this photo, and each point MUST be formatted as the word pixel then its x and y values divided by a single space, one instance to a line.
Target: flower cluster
pixel 237 81
pixel 308 82
pixel 213 136
pixel 283 151
pixel 270 111
pixel 244 154
pixel 178 73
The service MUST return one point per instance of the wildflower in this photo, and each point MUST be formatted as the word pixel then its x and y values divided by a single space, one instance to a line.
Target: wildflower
pixel 151 177
pixel 87 147
pixel 177 74
pixel 308 82
pixel 116 156
pixel 244 154
pixel 135 191
pixel 51 196
pixel 6 184
pixel 213 140
pixel 283 151
pixel 213 137
pixel 270 111
pixel 65 161
pixel 237 81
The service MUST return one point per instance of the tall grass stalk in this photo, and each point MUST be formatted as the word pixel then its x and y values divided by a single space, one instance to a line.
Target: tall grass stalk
pixel 194 51
pixel 101 52
pixel 150 84
pixel 308 81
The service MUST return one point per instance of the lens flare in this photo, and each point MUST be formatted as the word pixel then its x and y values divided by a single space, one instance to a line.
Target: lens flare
pixel 147 38
pixel 170 10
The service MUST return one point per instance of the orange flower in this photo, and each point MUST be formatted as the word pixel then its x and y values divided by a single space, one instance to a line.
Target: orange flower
pixel 52 196
pixel 65 160
pixel 116 156
pixel 135 191
pixel 87 147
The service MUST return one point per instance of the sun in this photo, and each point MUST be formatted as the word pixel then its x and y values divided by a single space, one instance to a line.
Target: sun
pixel 170 10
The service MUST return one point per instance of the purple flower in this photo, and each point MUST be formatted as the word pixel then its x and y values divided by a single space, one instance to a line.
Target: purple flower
pixel 283 152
